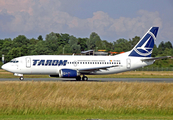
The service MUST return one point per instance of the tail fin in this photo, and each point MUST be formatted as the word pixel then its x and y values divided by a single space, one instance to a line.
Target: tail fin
pixel 145 46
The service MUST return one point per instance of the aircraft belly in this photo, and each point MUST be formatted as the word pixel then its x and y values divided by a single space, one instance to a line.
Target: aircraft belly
pixel 40 70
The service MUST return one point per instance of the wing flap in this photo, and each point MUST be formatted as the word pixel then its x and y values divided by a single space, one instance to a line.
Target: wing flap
pixel 88 70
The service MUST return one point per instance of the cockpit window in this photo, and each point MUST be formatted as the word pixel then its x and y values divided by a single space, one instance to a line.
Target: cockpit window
pixel 14 61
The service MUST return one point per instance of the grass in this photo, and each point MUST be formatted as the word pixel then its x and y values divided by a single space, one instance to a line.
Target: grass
pixel 76 100
pixel 86 100
pixel 137 74
pixel 82 117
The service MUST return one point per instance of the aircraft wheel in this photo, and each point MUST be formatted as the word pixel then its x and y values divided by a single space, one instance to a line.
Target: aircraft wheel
pixel 21 78
pixel 85 78
pixel 78 78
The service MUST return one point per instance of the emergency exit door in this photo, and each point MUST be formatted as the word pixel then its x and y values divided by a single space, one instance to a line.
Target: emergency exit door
pixel 28 62
pixel 128 63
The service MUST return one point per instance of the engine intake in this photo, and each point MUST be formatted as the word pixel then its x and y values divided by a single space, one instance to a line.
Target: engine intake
pixel 68 73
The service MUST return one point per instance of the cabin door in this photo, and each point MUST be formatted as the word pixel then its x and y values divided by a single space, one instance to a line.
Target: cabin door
pixel 28 62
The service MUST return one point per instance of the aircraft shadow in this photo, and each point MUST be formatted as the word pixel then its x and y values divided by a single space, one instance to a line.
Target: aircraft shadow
pixel 84 81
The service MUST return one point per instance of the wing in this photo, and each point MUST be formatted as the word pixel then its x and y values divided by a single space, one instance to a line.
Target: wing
pixel 89 70
pixel 155 58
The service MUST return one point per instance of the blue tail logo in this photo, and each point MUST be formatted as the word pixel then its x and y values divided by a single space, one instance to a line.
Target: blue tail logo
pixel 145 46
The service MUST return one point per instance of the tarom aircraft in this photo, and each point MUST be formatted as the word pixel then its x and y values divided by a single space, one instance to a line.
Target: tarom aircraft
pixel 75 66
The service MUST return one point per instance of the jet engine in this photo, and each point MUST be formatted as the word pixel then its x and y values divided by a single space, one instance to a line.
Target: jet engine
pixel 68 73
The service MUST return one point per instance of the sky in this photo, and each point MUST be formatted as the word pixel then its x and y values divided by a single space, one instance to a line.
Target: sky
pixel 110 19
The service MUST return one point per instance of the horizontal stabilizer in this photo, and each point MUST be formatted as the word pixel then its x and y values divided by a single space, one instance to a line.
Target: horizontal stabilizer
pixel 155 58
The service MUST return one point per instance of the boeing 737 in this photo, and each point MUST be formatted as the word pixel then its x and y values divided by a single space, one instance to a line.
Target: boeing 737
pixel 75 66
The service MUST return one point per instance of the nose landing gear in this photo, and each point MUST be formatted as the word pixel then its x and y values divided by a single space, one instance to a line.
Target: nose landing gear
pixel 20 75
pixel 21 78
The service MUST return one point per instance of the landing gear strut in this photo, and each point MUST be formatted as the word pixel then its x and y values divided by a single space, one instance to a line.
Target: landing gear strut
pixel 21 78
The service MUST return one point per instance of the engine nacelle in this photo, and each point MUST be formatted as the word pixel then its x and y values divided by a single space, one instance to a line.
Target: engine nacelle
pixel 68 73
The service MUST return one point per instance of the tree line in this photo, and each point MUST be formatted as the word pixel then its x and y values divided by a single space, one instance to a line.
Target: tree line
pixel 59 43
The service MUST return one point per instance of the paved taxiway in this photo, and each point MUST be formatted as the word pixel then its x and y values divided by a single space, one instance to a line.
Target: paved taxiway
pixel 167 80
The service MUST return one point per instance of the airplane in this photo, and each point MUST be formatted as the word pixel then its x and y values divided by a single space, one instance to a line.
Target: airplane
pixel 75 66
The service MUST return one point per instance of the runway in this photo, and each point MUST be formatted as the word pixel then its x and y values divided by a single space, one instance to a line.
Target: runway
pixel 167 80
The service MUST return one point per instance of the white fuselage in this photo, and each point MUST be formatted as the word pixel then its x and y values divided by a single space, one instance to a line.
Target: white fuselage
pixel 51 64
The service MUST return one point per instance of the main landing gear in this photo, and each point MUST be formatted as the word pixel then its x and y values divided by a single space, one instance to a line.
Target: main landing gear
pixel 84 78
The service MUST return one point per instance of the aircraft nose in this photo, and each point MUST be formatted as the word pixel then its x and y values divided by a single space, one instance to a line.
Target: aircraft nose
pixel 4 67
pixel 9 67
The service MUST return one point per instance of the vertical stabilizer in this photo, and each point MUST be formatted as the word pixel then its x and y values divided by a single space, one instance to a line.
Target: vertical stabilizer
pixel 145 46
